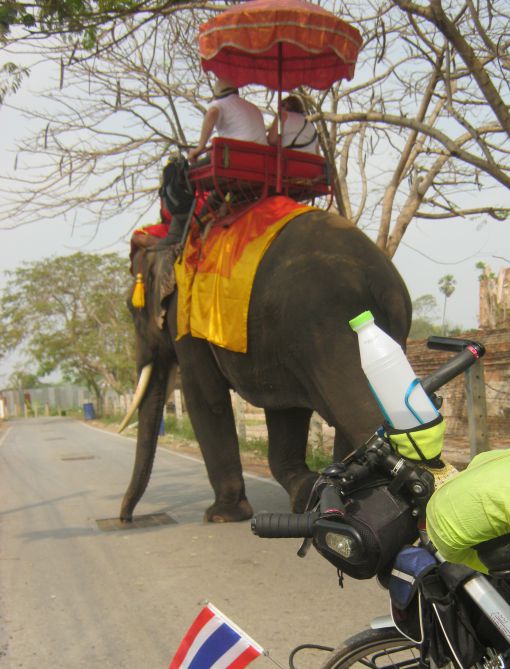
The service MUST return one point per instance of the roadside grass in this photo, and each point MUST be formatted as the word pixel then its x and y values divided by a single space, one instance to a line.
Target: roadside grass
pixel 316 459
pixel 108 420
pixel 183 431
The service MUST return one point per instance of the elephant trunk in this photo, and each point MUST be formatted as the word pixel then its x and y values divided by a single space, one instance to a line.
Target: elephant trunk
pixel 149 422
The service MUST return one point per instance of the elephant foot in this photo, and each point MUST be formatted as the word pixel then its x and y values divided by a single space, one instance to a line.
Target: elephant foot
pixel 301 492
pixel 229 513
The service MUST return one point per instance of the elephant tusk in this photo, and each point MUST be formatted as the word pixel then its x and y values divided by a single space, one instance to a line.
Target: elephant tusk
pixel 143 382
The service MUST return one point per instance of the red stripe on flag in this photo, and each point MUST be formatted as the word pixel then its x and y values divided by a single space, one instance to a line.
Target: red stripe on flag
pixel 203 617
pixel 245 658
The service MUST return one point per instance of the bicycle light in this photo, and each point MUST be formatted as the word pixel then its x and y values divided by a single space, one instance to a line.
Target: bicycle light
pixel 340 544
pixel 344 546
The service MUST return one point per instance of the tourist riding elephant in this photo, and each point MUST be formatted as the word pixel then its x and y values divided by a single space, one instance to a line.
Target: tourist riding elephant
pixel 302 356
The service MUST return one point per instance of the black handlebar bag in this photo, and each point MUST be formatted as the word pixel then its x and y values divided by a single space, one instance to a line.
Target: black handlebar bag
pixel 378 521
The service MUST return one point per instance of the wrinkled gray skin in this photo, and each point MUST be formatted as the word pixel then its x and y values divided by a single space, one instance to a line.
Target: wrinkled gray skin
pixel 302 356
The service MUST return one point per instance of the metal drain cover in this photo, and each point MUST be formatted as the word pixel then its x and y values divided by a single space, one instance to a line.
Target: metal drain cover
pixel 139 522
pixel 78 457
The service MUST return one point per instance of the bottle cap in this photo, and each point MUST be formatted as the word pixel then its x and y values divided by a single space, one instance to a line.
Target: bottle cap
pixel 365 317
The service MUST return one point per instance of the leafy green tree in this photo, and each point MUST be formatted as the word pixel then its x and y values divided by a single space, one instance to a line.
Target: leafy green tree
pixel 424 314
pixel 485 271
pixel 447 285
pixel 74 16
pixel 69 314
pixel 78 23
pixel 424 317
pixel 21 378
pixel 11 77
pixel 425 306
pixel 421 328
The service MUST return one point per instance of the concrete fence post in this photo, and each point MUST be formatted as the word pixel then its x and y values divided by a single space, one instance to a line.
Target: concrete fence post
pixel 476 409
pixel 316 439
pixel 240 416
pixel 178 408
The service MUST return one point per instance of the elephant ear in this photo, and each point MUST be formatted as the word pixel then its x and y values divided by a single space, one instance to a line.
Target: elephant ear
pixel 163 283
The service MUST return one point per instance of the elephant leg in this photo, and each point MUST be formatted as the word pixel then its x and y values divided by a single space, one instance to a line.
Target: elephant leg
pixel 341 446
pixel 210 409
pixel 288 436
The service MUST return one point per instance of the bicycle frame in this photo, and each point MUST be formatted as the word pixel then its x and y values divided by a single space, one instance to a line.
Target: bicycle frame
pixel 488 600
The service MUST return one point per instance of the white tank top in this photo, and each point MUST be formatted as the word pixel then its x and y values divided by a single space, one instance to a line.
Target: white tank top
pixel 240 119
pixel 293 125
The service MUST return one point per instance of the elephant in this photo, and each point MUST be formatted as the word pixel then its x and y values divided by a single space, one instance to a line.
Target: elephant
pixel 318 273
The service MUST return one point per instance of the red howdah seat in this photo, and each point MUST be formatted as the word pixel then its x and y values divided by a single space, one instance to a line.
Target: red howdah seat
pixel 249 170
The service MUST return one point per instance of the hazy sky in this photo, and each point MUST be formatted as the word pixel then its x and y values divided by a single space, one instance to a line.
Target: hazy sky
pixel 429 250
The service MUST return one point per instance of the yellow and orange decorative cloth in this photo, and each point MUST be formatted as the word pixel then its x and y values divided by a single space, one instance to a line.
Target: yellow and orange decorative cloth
pixel 215 275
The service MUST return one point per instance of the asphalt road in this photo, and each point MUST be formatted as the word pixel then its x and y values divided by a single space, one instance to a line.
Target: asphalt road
pixel 73 595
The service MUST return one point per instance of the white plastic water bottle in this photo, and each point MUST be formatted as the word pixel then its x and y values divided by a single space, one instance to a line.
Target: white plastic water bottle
pixel 400 395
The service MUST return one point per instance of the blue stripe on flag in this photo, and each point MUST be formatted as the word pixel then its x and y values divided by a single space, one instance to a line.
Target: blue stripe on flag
pixel 216 645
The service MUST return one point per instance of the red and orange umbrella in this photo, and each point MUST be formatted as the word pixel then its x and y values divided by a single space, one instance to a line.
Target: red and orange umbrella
pixel 280 44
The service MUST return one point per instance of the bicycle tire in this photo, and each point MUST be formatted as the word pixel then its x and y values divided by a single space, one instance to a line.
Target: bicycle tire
pixel 383 648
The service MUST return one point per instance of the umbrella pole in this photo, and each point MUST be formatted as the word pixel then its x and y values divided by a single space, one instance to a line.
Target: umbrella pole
pixel 279 160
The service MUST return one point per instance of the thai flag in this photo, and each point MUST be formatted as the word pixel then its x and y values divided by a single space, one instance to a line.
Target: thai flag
pixel 215 642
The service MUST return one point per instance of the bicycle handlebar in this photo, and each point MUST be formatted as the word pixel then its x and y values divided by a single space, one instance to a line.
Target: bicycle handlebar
pixel 284 525
pixel 301 525
pixel 470 352
pixel 453 344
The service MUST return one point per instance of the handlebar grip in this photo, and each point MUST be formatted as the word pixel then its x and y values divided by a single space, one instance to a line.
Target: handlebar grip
pixel 452 344
pixel 459 363
pixel 284 525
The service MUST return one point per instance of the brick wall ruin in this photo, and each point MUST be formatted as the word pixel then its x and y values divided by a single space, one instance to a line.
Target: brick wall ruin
pixel 496 364
pixel 494 299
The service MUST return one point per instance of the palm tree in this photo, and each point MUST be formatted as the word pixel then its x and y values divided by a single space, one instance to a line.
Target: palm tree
pixel 446 285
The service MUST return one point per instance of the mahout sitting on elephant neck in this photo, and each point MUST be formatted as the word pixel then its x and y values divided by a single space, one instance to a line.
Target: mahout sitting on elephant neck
pixel 176 192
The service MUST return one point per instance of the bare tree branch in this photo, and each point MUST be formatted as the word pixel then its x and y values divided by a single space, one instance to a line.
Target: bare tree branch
pixel 418 133
pixel 452 146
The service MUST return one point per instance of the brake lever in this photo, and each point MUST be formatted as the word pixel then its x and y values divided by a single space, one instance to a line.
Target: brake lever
pixel 304 548
pixel 315 494
pixel 329 503
pixel 312 503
